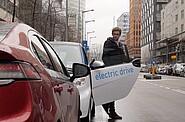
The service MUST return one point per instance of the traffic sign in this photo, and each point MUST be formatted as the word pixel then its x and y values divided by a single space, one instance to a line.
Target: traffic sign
pixel 153 62
pixel 84 43
pixel 87 48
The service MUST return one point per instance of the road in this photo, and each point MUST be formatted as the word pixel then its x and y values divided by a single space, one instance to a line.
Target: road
pixel 150 101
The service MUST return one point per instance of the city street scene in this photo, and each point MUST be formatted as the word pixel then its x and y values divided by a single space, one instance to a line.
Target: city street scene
pixel 92 60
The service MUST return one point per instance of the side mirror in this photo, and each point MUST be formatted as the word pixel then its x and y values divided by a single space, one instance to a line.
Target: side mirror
pixel 80 70
pixel 96 64
pixel 136 62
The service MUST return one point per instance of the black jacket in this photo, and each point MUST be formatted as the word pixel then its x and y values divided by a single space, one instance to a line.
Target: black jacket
pixel 113 53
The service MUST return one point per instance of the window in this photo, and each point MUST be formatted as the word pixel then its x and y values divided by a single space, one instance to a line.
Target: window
pixel 182 14
pixel 176 17
pixel 182 27
pixel 176 30
pixel 41 53
pixel 182 2
pixel 163 15
pixel 163 26
pixel 55 59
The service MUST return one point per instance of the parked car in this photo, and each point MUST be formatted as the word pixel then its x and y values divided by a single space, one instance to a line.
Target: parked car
pixel 177 68
pixel 34 84
pixel 72 52
pixel 169 69
pixel 144 68
pixel 182 71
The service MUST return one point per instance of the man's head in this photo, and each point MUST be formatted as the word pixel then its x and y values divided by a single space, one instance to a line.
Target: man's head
pixel 116 33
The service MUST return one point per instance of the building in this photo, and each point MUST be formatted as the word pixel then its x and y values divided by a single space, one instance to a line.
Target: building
pixel 171 47
pixel 6 10
pixel 123 23
pixel 75 8
pixel 151 28
pixel 133 40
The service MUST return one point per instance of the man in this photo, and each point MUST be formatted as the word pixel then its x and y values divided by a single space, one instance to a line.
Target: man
pixel 113 54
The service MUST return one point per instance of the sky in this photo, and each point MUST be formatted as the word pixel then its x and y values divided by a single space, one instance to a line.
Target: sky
pixel 104 13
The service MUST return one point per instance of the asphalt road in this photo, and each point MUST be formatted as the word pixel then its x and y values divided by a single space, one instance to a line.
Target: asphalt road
pixel 150 101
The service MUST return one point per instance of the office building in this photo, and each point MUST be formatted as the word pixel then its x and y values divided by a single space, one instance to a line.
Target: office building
pixel 151 28
pixel 134 35
pixel 123 23
pixel 171 48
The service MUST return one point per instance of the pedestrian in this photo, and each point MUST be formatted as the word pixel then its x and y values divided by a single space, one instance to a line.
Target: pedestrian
pixel 113 54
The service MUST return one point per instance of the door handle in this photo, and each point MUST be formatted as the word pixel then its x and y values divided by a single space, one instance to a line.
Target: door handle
pixel 70 89
pixel 58 89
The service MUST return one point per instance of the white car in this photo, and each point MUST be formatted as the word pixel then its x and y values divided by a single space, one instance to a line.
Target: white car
pixel 104 84
pixel 177 68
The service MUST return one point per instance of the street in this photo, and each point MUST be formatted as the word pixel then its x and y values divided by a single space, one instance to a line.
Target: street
pixel 150 101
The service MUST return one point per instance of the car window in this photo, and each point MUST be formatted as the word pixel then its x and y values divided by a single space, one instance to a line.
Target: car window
pixel 41 53
pixel 54 57
pixel 69 54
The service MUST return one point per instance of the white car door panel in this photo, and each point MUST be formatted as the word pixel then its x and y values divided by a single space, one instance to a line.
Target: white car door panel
pixel 113 82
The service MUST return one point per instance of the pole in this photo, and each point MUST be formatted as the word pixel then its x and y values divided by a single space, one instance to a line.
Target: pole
pixel 167 51
pixel 66 20
pixel 82 26
pixel 79 40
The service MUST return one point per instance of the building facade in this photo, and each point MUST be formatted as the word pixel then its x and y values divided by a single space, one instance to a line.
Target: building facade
pixel 133 40
pixel 171 47
pixel 123 23
pixel 75 9
pixel 6 10
pixel 151 28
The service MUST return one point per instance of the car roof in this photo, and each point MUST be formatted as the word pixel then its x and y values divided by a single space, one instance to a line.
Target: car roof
pixel 65 43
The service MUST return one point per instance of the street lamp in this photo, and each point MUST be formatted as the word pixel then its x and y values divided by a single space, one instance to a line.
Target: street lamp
pixel 90 40
pixel 85 27
pixel 85 11
pixel 89 33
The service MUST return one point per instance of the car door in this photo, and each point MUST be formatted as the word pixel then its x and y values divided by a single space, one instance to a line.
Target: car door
pixel 49 102
pixel 114 82
pixel 67 93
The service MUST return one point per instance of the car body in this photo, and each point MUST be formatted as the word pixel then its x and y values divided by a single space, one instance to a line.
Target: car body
pixel 169 69
pixel 72 52
pixel 34 84
pixel 177 68
pixel 182 71
pixel 144 68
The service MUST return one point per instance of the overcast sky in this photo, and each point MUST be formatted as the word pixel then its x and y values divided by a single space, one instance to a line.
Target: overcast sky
pixel 104 13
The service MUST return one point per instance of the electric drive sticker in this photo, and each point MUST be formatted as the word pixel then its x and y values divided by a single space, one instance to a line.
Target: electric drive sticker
pixel 114 73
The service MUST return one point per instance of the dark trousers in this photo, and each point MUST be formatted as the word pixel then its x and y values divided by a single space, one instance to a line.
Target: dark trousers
pixel 109 107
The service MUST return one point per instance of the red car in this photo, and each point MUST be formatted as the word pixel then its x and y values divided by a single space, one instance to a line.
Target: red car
pixel 34 84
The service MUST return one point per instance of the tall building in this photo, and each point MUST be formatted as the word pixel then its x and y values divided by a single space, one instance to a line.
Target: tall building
pixel 123 23
pixel 151 28
pixel 171 47
pixel 75 8
pixel 133 40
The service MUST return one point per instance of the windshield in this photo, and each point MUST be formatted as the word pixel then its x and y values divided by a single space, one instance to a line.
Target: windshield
pixel 69 54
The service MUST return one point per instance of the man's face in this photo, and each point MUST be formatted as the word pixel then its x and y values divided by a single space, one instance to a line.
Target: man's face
pixel 116 35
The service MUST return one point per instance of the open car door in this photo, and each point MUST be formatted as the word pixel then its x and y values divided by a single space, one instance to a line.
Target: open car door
pixel 114 82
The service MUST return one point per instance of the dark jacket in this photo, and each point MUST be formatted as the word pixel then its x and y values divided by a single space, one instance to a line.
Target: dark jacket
pixel 112 52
